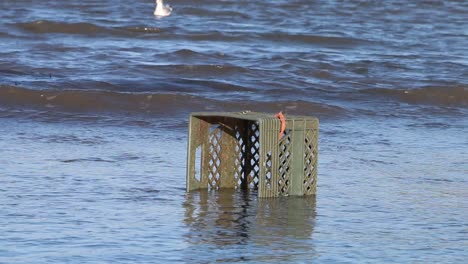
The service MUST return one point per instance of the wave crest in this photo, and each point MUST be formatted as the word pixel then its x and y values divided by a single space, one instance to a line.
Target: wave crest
pixel 155 103
pixel 432 95
pixel 46 26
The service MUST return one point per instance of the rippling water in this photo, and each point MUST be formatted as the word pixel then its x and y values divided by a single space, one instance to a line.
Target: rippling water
pixel 94 101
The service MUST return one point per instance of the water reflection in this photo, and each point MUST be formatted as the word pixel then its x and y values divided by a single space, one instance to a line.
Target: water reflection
pixel 244 227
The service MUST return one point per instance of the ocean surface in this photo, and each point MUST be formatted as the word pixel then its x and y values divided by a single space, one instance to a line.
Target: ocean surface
pixel 94 104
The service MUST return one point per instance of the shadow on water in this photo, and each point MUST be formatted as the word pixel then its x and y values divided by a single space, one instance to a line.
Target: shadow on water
pixel 239 226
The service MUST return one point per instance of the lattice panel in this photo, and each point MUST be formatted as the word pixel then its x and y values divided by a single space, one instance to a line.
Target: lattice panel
pixel 253 153
pixel 214 161
pixel 284 169
pixel 268 170
pixel 310 162
pixel 239 161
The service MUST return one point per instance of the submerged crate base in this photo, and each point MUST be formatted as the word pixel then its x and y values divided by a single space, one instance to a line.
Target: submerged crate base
pixel 244 150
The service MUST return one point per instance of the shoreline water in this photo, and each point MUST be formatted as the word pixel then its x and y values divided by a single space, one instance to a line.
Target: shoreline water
pixel 94 106
pixel 107 187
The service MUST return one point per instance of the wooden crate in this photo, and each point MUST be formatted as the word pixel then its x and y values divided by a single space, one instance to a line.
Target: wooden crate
pixel 244 150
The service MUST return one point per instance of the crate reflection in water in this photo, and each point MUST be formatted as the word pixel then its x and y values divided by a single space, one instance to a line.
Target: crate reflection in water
pixel 280 228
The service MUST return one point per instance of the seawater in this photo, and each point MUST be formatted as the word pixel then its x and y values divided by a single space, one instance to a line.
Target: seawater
pixel 94 104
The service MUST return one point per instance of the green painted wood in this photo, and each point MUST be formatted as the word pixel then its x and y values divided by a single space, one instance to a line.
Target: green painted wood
pixel 297 160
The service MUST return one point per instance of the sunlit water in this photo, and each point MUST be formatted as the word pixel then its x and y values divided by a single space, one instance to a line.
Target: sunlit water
pixel 94 102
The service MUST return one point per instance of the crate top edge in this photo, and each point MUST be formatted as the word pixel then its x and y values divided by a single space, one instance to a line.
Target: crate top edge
pixel 248 115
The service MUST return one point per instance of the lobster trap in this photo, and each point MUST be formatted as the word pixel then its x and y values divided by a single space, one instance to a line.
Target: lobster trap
pixel 246 150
